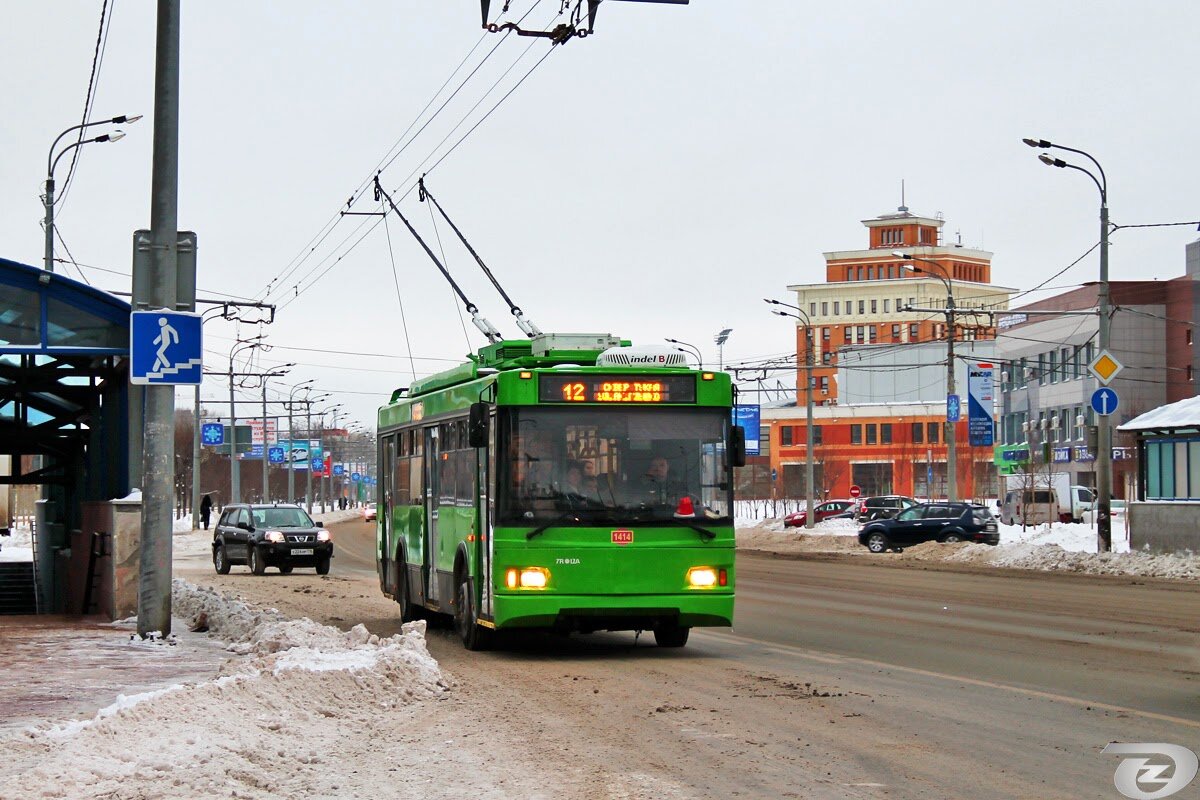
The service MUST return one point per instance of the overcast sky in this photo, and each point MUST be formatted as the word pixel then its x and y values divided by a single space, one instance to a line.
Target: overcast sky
pixel 654 180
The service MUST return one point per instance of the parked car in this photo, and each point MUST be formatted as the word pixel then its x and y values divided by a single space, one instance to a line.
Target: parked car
pixel 261 536
pixel 823 512
pixel 881 507
pixel 1030 507
pixel 931 522
pixel 368 512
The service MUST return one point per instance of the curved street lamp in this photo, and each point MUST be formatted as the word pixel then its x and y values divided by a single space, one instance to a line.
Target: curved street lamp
pixel 1103 432
pixel 951 427
pixel 52 164
pixel 695 351
pixel 292 439
pixel 809 439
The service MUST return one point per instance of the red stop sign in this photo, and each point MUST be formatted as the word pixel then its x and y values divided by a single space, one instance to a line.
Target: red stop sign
pixel 855 491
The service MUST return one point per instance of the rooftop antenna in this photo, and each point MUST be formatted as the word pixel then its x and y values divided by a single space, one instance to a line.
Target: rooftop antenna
pixel 903 208
pixel 526 325
pixel 958 236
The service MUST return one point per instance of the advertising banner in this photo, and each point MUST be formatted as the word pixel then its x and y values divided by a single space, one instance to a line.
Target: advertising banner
pixel 259 437
pixel 300 452
pixel 980 404
pixel 750 418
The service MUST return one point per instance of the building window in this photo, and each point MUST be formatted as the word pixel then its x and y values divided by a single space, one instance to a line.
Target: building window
pixel 896 331
pixel 847 334
pixel 1188 334
pixel 871 334
pixel 824 309
pixel 914 330
pixel 872 434
pixel 1053 366
pixel 837 308
pixel 849 307
pixel 824 387
pixel 860 273
pixel 1041 368
pixel 812 309
pixel 861 335
pixel 1089 353
pixel 874 306
pixel 891 270
pixel 825 334
pixel 886 303
pixel 899 304
pixel 862 306
pixel 826 358
pixel 885 433
pixel 856 434
pixel 912 301
pixel 816 432
pixel 785 436
pixel 1189 373
pixel 870 273
pixel 918 432
pixel 931 432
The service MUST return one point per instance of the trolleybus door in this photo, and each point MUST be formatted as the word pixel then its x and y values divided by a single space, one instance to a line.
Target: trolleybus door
pixel 432 493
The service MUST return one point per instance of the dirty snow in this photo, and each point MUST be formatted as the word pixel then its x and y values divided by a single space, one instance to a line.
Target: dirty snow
pixel 1067 547
pixel 293 694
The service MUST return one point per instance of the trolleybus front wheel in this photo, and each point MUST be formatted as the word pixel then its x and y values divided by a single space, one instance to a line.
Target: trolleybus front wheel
pixel 671 636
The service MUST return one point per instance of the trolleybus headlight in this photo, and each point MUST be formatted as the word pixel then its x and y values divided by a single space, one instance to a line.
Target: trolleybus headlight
pixel 527 578
pixel 701 577
pixel 274 536
pixel 322 536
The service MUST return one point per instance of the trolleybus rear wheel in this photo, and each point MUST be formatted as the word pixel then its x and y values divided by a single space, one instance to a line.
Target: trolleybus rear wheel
pixel 671 636
pixel 474 636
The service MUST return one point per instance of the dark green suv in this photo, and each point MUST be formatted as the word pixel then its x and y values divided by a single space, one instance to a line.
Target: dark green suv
pixel 261 536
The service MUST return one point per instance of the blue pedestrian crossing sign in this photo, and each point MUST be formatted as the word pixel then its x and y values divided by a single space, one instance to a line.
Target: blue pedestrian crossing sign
pixel 212 433
pixel 953 408
pixel 165 348
pixel 1105 401
pixel 275 455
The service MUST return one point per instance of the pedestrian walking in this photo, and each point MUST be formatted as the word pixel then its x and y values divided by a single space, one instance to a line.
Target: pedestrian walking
pixel 205 511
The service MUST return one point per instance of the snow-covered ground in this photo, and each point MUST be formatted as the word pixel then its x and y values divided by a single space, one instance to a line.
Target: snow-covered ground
pixel 1060 547
pixel 295 698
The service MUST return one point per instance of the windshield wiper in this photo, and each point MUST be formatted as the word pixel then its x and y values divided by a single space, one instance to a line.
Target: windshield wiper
pixel 705 533
pixel 552 523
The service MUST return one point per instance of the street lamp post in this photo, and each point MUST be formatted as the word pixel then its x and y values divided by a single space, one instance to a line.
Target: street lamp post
pixel 292 440
pixel 266 490
pixel 52 163
pixel 235 489
pixel 809 439
pixel 694 350
pixel 1103 432
pixel 720 339
pixel 951 427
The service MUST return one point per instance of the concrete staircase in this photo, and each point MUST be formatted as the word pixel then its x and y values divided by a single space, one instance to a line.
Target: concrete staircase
pixel 17 588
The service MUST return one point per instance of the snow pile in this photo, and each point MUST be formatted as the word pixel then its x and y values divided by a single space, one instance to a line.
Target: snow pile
pixel 1057 558
pixel 263 729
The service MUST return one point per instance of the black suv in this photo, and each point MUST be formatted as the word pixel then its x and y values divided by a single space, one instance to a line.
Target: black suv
pixel 262 536
pixel 931 522
pixel 881 507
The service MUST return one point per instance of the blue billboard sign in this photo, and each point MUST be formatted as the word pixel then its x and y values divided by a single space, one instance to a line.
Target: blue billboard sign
pixel 750 419
pixel 981 404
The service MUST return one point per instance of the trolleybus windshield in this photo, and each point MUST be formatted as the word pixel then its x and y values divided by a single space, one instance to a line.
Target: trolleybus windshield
pixel 613 465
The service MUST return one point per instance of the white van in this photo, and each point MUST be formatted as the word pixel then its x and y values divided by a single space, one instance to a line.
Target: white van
pixel 1030 507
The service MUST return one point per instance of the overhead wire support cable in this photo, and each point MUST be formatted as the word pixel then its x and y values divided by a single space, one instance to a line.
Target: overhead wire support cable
pixel 526 325
pixel 479 322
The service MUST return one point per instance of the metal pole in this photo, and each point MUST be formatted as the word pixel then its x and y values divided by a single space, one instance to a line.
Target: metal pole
pixel 810 496
pixel 235 490
pixel 158 459
pixel 266 494
pixel 1104 432
pixel 307 446
pixel 196 464
pixel 951 427
pixel 288 454
pixel 49 257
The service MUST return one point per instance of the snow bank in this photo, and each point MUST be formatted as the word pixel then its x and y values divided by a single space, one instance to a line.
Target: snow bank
pixel 1064 547
pixel 262 728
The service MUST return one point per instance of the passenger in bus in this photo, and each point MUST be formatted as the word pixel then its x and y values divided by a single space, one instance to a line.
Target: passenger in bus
pixel 534 466
pixel 573 491
pixel 657 484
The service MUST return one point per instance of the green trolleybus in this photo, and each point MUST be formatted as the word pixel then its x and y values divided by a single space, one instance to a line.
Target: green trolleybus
pixel 569 482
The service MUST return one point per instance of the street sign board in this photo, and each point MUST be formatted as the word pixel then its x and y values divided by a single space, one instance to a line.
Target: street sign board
pixel 212 433
pixel 339 470
pixel 750 420
pixel 239 432
pixel 276 455
pixel 354 476
pixel 1105 367
pixel 855 491
pixel 165 348
pixel 980 404
pixel 1105 401
pixel 953 408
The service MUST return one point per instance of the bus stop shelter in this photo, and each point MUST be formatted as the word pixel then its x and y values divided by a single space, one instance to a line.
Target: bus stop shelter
pixel 64 389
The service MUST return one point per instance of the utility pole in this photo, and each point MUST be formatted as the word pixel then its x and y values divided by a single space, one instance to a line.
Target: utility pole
pixel 158 451
pixel 809 438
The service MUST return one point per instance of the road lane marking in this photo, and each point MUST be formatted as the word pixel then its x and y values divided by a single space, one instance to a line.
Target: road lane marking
pixel 834 658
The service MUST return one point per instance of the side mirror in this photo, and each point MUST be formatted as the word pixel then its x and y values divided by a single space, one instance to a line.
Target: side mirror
pixel 737 446
pixel 477 425
pixel 320 524
pixel 245 526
